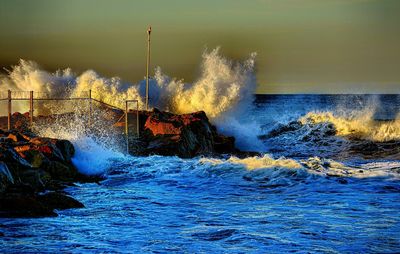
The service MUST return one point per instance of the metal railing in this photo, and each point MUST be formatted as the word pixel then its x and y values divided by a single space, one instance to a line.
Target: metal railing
pixel 131 129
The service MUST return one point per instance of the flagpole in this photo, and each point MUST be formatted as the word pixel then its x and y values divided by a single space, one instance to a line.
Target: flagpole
pixel 147 67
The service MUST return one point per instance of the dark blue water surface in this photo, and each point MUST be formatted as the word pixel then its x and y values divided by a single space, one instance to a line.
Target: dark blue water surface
pixel 329 193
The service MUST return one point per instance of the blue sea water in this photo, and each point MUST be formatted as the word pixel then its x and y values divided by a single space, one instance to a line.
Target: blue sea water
pixel 313 192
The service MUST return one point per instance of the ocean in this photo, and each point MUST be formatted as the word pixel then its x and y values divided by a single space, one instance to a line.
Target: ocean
pixel 328 182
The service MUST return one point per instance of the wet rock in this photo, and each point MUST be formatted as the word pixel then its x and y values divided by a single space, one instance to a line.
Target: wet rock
pixel 61 171
pixel 37 179
pixel 34 157
pixel 55 200
pixel 186 135
pixel 27 204
pixel 66 148
pixel 23 205
pixel 30 165
pixel 9 155
pixel 5 177
pixel 20 121
pixel 16 137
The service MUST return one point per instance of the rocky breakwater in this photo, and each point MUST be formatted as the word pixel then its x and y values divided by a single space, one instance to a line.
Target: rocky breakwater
pixel 186 135
pixel 33 173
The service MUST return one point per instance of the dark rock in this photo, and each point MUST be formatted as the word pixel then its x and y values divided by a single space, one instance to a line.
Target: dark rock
pixel 37 179
pixel 66 148
pixel 16 137
pixel 61 171
pixel 33 156
pixel 23 205
pixel 20 121
pixel 55 200
pixel 186 135
pixel 5 177
pixel 9 155
pixel 30 165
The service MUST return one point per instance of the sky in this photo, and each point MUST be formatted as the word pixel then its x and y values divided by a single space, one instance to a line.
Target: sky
pixel 303 46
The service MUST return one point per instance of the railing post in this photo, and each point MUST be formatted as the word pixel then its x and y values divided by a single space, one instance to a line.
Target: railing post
pixel 9 110
pixel 90 107
pixel 31 107
pixel 137 117
pixel 126 127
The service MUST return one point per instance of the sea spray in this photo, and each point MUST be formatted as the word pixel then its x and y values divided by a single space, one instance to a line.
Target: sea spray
pixel 95 148
pixel 224 90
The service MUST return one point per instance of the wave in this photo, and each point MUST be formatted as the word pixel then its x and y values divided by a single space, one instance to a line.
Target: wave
pixel 224 90
pixel 94 153
pixel 314 166
pixel 320 126
pixel 362 126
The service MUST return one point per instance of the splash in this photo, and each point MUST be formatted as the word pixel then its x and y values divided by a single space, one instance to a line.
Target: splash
pixel 94 153
pixel 361 126
pixel 224 91
pixel 222 86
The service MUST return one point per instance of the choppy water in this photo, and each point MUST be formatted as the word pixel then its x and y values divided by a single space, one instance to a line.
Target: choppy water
pixel 332 193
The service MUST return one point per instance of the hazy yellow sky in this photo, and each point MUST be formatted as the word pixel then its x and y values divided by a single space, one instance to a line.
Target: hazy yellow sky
pixel 303 46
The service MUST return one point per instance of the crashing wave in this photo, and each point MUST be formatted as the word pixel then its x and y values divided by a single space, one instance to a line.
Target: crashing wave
pixel 317 126
pixel 224 90
pixel 311 166
pixel 361 126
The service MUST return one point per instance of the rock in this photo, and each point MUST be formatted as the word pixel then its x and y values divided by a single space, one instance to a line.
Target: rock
pixel 34 157
pixel 38 180
pixel 23 205
pixel 9 155
pixel 55 200
pixel 223 144
pixel 47 147
pixel 26 204
pixel 5 177
pixel 186 135
pixel 16 137
pixel 61 171
pixel 66 148
pixel 20 121
pixel 31 165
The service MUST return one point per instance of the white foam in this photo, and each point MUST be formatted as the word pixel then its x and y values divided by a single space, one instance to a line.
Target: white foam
pixel 313 166
pixel 360 124
pixel 92 158
pixel 224 90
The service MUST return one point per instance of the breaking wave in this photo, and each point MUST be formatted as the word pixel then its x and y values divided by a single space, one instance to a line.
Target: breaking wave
pixel 274 169
pixel 224 90
pixel 94 153
pixel 362 126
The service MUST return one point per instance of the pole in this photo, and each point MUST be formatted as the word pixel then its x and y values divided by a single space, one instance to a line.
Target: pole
pixel 9 110
pixel 31 107
pixel 137 117
pixel 90 107
pixel 147 67
pixel 126 127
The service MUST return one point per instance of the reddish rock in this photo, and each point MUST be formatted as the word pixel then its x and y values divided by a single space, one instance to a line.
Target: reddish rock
pixel 31 165
pixel 186 135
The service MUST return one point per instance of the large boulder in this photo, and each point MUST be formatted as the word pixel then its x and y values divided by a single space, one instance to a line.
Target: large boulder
pixel 28 204
pixel 186 135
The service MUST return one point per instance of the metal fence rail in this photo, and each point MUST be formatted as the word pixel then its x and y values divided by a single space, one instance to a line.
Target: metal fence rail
pixel 38 98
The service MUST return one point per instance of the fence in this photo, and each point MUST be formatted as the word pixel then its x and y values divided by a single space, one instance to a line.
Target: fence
pixel 39 105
